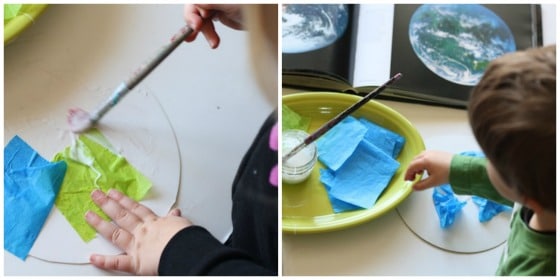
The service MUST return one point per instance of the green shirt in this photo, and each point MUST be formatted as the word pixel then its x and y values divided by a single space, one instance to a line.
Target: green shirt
pixel 527 252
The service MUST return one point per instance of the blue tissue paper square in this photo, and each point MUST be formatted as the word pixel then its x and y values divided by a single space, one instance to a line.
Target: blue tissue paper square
pixel 389 142
pixel 31 184
pixel 360 160
pixel 339 143
pixel 338 206
pixel 363 176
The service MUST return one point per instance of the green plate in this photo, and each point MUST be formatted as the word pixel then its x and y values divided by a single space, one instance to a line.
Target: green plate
pixel 26 16
pixel 305 206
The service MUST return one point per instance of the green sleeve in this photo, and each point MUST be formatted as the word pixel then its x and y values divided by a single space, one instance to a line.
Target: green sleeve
pixel 468 177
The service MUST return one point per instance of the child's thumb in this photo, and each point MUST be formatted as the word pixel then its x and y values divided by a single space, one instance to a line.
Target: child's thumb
pixel 175 212
pixel 423 184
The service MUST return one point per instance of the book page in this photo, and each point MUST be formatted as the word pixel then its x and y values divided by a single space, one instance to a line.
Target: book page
pixel 372 61
pixel 442 50
pixel 316 40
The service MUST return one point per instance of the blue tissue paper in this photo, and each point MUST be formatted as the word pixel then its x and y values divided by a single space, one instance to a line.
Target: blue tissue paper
pixel 488 208
pixel 447 205
pixel 389 142
pixel 339 143
pixel 362 178
pixel 31 184
pixel 338 206
pixel 359 156
pixel 472 154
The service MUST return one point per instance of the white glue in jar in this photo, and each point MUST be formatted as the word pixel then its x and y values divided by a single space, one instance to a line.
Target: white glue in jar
pixel 297 168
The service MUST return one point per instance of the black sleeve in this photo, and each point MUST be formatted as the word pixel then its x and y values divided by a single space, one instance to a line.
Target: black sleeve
pixel 194 251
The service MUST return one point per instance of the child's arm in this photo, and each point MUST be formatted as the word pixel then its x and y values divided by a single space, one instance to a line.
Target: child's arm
pixel 468 175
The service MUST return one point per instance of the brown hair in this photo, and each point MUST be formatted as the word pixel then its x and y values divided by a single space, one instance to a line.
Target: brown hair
pixel 512 112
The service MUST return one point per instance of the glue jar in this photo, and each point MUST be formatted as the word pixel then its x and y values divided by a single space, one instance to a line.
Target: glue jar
pixel 297 168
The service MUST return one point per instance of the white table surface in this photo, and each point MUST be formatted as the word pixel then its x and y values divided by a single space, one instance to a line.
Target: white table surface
pixel 385 246
pixel 210 96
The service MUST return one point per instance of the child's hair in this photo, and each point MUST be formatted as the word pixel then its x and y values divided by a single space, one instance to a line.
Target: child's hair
pixel 262 24
pixel 512 112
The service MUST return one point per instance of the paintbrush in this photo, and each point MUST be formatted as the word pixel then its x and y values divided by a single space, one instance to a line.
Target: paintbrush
pixel 80 120
pixel 334 121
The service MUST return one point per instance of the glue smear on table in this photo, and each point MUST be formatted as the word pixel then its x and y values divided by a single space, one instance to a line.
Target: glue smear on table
pixel 78 120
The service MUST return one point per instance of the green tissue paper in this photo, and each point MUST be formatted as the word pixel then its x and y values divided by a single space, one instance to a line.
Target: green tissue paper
pixel 11 11
pixel 292 120
pixel 93 165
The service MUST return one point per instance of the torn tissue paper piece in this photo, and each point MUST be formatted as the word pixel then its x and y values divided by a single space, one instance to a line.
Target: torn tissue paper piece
pixel 488 208
pixel 91 165
pixel 11 11
pixel 292 120
pixel 31 184
pixel 389 142
pixel 335 147
pixel 358 171
pixel 362 178
pixel 447 205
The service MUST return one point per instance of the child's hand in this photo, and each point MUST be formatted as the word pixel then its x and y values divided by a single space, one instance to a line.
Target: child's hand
pixel 138 231
pixel 436 164
pixel 229 15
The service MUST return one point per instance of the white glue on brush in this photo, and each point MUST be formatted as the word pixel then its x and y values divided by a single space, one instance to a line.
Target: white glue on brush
pixel 79 120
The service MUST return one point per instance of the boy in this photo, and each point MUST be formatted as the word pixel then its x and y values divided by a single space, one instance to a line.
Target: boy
pixel 512 113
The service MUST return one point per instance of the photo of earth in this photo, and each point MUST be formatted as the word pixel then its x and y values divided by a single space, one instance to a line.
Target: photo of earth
pixel 311 27
pixel 457 41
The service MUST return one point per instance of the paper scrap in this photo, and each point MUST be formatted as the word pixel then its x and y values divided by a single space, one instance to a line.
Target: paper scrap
pixel 339 143
pixel 447 205
pixel 31 184
pixel 487 209
pixel 292 120
pixel 11 11
pixel 362 178
pixel 93 165
pixel 386 140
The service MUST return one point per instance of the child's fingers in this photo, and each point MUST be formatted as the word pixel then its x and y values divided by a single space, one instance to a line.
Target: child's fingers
pixel 119 262
pixel 175 212
pixel 110 231
pixel 191 37
pixel 192 17
pixel 209 10
pixel 210 34
pixel 411 174
pixel 420 185
pixel 416 166
pixel 423 184
pixel 134 207
pixel 122 216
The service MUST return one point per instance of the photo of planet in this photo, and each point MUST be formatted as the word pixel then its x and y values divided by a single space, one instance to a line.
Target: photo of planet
pixel 457 41
pixel 310 27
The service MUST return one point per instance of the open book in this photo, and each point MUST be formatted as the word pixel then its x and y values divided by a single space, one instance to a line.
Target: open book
pixel 441 50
